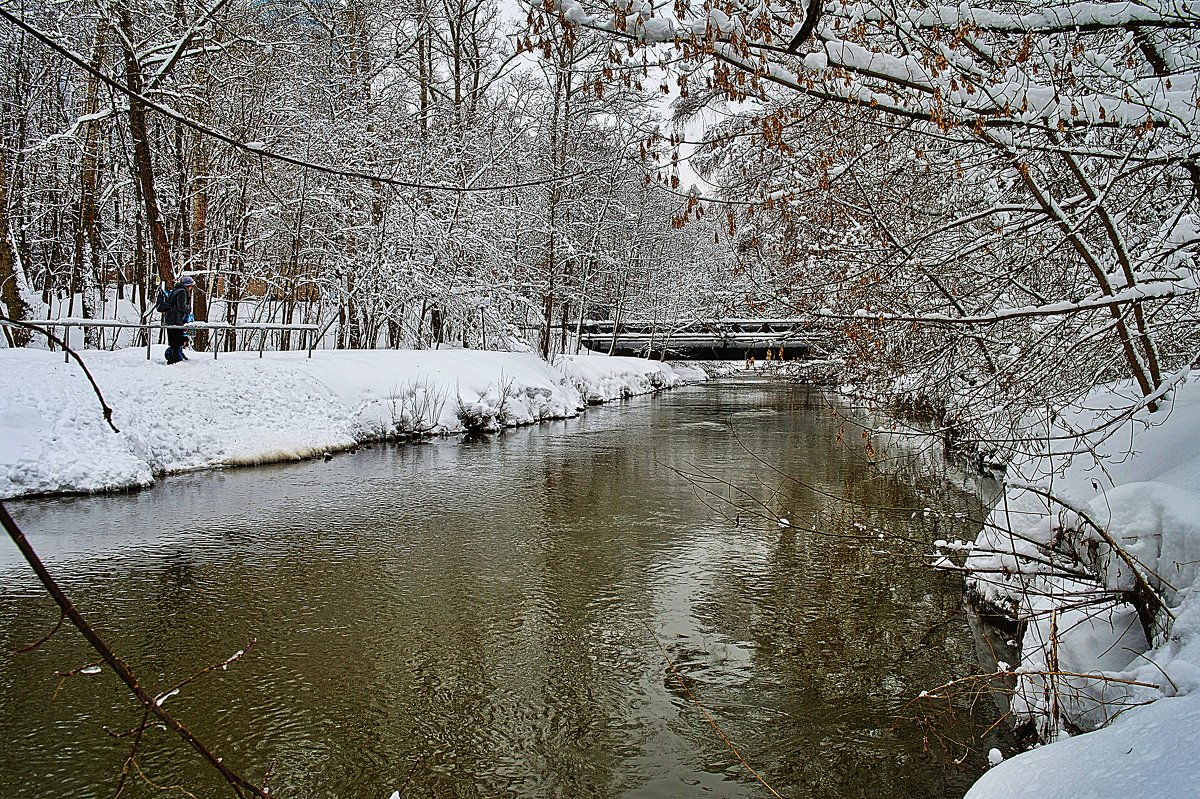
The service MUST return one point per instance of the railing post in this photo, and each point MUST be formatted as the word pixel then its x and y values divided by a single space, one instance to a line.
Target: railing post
pixel 66 343
pixel 149 340
pixel 262 342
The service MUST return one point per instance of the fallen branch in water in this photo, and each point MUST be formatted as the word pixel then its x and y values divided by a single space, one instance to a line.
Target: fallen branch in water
pixel 712 723
pixel 240 785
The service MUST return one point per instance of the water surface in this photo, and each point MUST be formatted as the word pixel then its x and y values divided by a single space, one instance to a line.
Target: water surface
pixel 490 616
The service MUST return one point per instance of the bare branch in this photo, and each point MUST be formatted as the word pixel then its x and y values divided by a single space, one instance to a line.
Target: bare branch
pixel 241 786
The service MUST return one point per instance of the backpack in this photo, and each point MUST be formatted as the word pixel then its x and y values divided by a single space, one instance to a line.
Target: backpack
pixel 160 302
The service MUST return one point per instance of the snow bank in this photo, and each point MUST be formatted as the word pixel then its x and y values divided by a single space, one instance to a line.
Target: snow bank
pixel 597 382
pixel 240 409
pixel 1143 754
pixel 1087 662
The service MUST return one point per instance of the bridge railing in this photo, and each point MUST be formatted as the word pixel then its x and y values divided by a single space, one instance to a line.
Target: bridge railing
pixel 697 326
pixel 310 335
pixel 642 336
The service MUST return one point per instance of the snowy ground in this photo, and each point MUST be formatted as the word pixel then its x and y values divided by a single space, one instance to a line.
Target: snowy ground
pixel 240 409
pixel 1086 662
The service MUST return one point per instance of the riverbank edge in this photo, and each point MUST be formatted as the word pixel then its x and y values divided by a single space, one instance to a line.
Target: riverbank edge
pixel 241 410
pixel 1141 485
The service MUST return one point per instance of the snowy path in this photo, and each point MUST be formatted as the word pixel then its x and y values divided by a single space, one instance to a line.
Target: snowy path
pixel 241 409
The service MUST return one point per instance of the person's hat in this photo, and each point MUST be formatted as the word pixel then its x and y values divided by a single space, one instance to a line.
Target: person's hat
pixel 186 280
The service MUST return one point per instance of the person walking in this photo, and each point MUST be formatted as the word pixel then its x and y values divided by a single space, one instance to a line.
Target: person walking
pixel 177 310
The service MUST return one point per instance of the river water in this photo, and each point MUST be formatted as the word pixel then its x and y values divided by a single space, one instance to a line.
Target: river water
pixel 494 617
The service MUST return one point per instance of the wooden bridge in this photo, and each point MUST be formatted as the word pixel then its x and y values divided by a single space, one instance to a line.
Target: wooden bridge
pixel 717 339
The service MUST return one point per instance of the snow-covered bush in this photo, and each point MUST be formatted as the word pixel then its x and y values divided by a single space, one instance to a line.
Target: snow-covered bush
pixel 416 409
pixel 1096 553
pixel 490 411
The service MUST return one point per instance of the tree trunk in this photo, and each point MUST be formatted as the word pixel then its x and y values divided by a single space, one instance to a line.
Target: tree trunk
pixel 141 276
pixel 10 280
pixel 564 317
pixel 234 280
pixel 199 243
pixel 88 228
pixel 142 164
pixel 435 326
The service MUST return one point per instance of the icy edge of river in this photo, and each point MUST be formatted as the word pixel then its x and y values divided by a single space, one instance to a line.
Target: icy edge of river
pixel 1141 487
pixel 240 409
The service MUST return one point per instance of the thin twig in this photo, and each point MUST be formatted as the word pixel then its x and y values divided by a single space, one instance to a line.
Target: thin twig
pixel 1161 671
pixel 108 412
pixel 130 759
pixel 408 779
pixel 270 772
pixel 1007 714
pixel 224 664
pixel 63 676
pixel 31 647
pixel 971 679
pixel 158 787
pixel 132 731
pixel 707 717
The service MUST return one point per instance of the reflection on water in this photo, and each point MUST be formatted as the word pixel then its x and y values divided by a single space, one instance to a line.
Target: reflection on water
pixel 491 611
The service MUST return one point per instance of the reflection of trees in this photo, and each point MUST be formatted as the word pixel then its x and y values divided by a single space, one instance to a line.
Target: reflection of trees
pixel 862 653
pixel 482 606
pixel 596 587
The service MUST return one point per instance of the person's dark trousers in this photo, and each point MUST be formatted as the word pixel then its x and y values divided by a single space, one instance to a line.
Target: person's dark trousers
pixel 174 346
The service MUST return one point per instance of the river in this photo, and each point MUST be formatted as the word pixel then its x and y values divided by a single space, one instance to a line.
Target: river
pixel 512 616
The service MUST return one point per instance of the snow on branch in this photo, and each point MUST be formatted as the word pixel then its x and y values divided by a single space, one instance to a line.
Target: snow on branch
pixel 1063 18
pixel 1159 290
pixel 933 64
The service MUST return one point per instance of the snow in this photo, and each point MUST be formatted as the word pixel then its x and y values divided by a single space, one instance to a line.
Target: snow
pixel 1137 699
pixel 1147 752
pixel 240 409
pixel 1057 17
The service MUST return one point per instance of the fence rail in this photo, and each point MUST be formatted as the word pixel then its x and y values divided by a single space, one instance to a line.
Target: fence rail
pixel 310 335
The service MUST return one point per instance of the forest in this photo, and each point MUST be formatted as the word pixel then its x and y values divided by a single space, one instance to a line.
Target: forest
pixel 990 212
pixel 992 207
pixel 408 171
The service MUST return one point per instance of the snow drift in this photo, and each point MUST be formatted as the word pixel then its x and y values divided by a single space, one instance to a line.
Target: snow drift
pixel 241 409
pixel 1111 642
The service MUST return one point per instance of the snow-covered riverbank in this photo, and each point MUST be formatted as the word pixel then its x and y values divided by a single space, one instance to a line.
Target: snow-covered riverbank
pixel 1124 502
pixel 241 409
